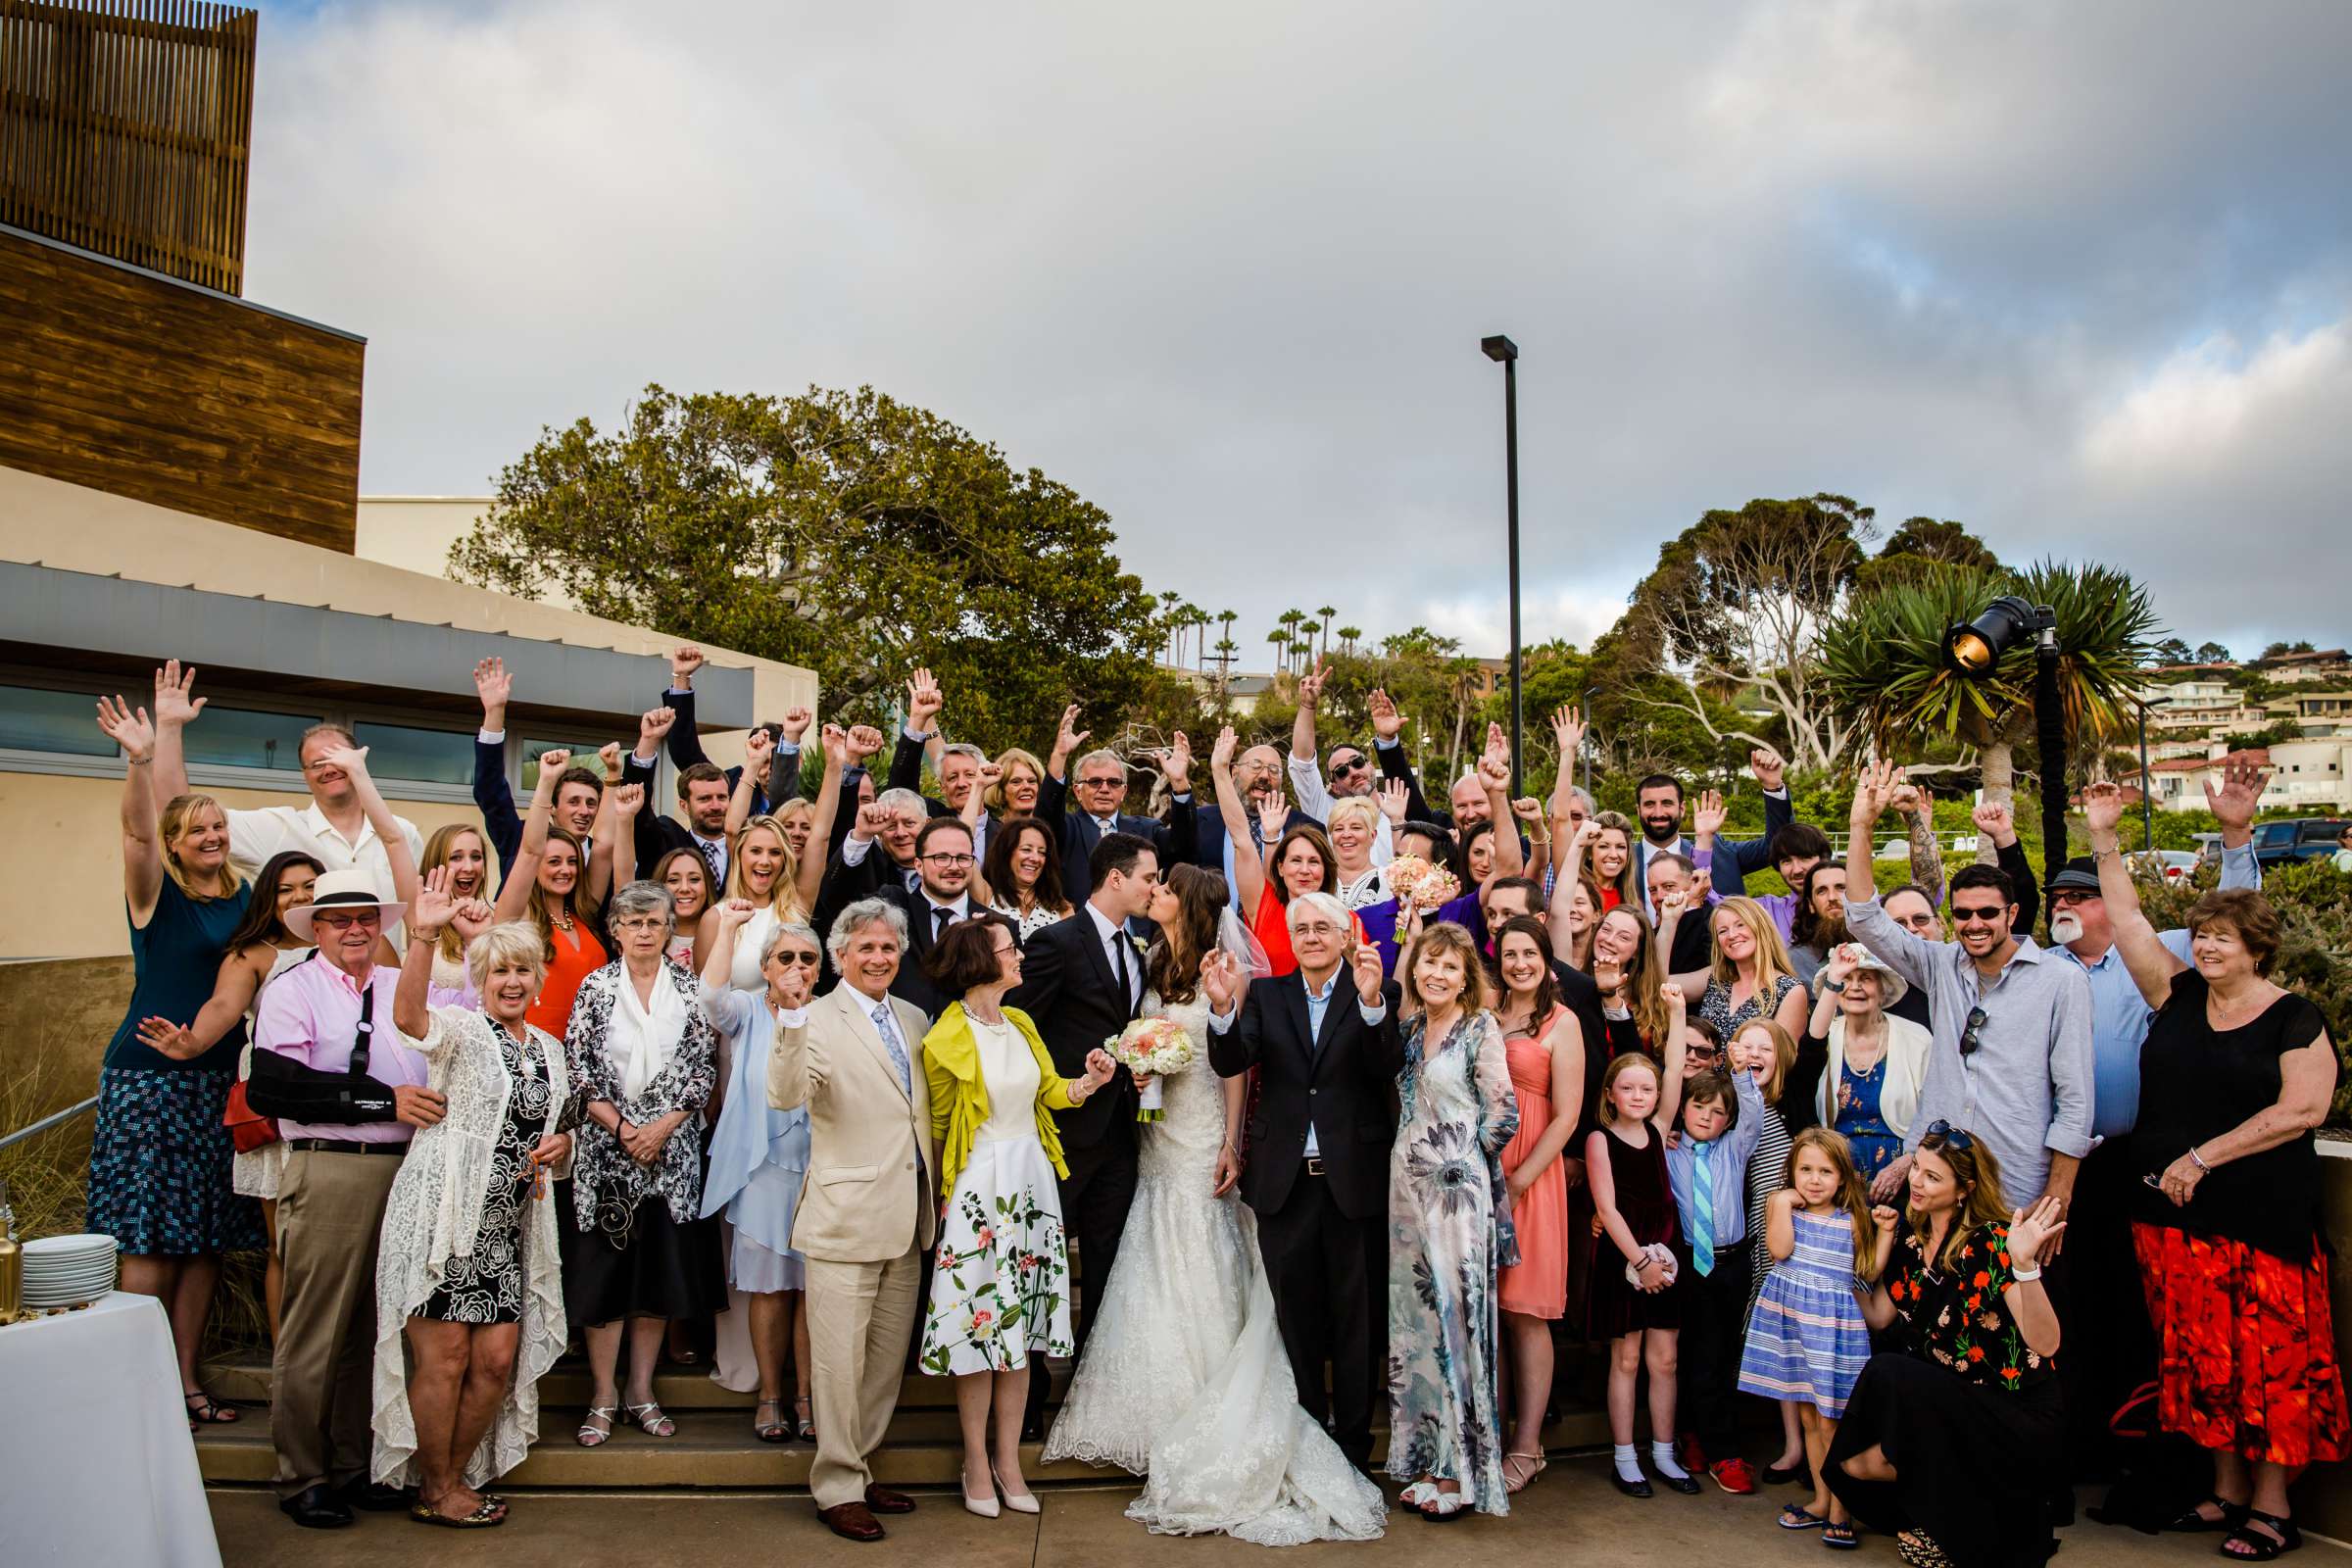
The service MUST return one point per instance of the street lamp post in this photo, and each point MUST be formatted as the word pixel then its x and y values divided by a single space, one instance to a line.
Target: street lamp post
pixel 1503 350
pixel 1589 691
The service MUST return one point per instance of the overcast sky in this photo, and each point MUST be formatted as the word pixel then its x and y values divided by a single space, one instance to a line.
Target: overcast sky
pixel 2079 277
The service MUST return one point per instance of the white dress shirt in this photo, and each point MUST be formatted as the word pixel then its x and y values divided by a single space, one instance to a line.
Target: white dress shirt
pixel 256 835
pixel 1114 940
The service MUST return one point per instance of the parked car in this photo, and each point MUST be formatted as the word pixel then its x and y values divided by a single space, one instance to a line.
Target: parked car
pixel 2209 847
pixel 2174 864
pixel 1894 850
pixel 2301 838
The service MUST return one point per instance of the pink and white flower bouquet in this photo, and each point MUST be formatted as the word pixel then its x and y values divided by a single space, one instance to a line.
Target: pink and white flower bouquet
pixel 1155 1047
pixel 1424 886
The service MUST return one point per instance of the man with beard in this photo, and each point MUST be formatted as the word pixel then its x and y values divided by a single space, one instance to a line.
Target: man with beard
pixel 2101 1370
pixel 701 824
pixel 1257 774
pixel 1658 802
pixel 1351 771
pixel 940 896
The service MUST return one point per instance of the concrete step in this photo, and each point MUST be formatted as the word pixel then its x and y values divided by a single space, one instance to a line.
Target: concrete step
pixel 676 1389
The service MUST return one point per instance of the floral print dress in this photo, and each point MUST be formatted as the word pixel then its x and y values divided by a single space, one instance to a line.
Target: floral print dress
pixel 1448 1238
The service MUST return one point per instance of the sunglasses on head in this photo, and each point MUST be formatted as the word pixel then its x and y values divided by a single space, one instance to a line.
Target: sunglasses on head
pixel 1944 1135
pixel 1972 1036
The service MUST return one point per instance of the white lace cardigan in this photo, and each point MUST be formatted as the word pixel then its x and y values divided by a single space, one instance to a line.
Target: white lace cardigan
pixel 434 1213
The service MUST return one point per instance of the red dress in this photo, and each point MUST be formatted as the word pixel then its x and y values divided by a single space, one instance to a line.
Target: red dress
pixel 578 954
pixel 1537 1285
pixel 1271 925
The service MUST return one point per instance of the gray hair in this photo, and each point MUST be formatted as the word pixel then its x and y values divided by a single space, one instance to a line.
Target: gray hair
pixel 964 748
pixel 857 917
pixel 910 802
pixel 1101 754
pixel 514 942
pixel 642 898
pixel 1322 903
pixel 1585 796
pixel 787 928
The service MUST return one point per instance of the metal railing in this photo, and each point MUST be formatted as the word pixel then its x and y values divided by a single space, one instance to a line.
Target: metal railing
pixel 52 1119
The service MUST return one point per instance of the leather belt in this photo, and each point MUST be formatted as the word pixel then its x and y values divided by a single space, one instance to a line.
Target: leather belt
pixel 1315 1165
pixel 344 1146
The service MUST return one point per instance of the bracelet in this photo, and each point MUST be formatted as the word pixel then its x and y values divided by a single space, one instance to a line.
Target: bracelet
pixel 2026 1276
pixel 2198 1160
pixel 139 761
pixel 1833 984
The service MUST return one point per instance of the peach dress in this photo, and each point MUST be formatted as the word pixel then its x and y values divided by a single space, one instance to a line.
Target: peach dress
pixel 1537 1285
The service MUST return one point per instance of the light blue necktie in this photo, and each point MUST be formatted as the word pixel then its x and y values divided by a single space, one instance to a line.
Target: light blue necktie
pixel 889 1030
pixel 1702 1209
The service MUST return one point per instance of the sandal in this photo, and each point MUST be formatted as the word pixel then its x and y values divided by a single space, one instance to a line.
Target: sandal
pixel 650 1420
pixel 776 1431
pixel 1796 1516
pixel 1920 1551
pixel 590 1437
pixel 1840 1538
pixel 482 1518
pixel 1445 1507
pixel 2194 1523
pixel 1417 1495
pixel 803 1420
pixel 1536 1464
pixel 2255 1547
pixel 205 1410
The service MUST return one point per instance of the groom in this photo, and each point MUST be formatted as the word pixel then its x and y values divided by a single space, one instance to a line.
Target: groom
pixel 1327 1051
pixel 1082 982
pixel 870 1204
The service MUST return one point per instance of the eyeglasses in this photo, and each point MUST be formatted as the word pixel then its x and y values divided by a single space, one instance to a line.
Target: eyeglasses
pixel 1983 913
pixel 805 961
pixel 1971 1037
pixel 950 860
pixel 641 922
pixel 1315 928
pixel 1943 1134
pixel 343 922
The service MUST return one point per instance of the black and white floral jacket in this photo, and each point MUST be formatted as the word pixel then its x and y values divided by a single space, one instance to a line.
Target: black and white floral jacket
pixel 604 1180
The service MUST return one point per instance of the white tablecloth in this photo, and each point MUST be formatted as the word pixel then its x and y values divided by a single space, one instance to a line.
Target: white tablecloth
pixel 96 1465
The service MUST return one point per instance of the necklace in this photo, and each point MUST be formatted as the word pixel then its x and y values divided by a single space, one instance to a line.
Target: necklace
pixel 2221 1008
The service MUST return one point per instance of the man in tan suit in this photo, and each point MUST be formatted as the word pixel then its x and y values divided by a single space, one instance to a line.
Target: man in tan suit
pixel 868 1206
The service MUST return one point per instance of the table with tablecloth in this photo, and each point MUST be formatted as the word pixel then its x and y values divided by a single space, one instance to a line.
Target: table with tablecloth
pixel 96 1465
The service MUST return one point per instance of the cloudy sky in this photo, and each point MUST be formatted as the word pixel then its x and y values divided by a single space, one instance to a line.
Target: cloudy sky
pixel 2079 277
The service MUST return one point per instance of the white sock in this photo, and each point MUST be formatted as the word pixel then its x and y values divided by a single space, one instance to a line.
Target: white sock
pixel 1628 1469
pixel 1661 1454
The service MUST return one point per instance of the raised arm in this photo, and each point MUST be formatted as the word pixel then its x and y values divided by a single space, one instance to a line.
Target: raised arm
pixel 924 700
pixel 1692 984
pixel 809 877
pixel 2232 807
pixel 430 911
pixel 684 740
pixel 1572 853
pixel 1249 870
pixel 234 989
pixel 353 760
pixel 1067 739
pixel 1771 776
pixel 175 707
pixel 142 846
pixel 514 893
pixel 1918 811
pixel 1494 777
pixel 492 796
pixel 727 919
pixel 1388 750
pixel 2150 963
pixel 1306 773
pixel 613 854
pixel 1669 1075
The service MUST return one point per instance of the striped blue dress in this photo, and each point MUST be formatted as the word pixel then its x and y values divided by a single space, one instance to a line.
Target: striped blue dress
pixel 1806 1338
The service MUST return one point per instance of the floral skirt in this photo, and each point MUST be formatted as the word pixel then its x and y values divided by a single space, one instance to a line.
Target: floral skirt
pixel 2245 1348
pixel 160 1165
pixel 1001 1279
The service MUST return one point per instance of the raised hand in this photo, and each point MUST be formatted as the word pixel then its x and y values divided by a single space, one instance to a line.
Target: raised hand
pixel 1874 789
pixel 352 760
pixel 473 917
pixel 1365 962
pixel 1310 687
pixel 127 727
pixel 992 774
pixel 2234 804
pixel 758 747
pixel 609 755
pixel 628 799
pixel 873 821
pixel 1675 1003
pixel 1707 814
pixel 1220 755
pixel 923 702
pixel 432 908
pixel 1495 767
pixel 1568 730
pixel 1272 813
pixel 651 727
pixel 1527 808
pixel 864 742
pixel 495 687
pixel 1176 761
pixel 1993 822
pixel 1703 883
pixel 1221 980
pixel 2102 808
pixel 551 768
pixel 1884 1218
pixel 1844 960
pixel 2033 1232
pixel 1069 737
pixel 684 661
pixel 1766 763
pixel 795 984
pixel 733 913
pixel 1395 798
pixel 1387 722
pixel 836 742
pixel 795 723
pixel 172 704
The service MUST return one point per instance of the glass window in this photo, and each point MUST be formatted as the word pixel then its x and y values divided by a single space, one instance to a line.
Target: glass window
pixel 34 720
pixel 419 755
pixel 583 754
pixel 233 737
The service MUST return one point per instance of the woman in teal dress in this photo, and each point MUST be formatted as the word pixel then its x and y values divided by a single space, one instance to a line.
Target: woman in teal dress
pixel 1448 1233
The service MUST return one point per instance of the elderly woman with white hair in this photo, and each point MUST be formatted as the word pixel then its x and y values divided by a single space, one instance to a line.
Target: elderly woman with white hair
pixel 466 1266
pixel 758 1154
pixel 635 1244
pixel 1870 1063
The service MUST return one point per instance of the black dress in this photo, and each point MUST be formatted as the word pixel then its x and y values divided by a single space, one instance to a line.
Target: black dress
pixel 487 1286
pixel 1970 1417
pixel 1646 1202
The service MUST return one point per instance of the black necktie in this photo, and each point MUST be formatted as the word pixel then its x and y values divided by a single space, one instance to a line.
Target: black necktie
pixel 942 916
pixel 1118 966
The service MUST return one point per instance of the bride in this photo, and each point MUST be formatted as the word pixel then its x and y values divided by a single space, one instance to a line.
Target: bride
pixel 1184 1379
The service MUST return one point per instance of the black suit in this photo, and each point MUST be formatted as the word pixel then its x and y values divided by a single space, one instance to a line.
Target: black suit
pixel 1395 765
pixel 876 877
pixel 1323 1235
pixel 907 774
pixel 1079 834
pixel 1069 991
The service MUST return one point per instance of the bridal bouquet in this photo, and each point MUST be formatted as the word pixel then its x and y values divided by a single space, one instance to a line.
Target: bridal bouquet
pixel 1426 886
pixel 1156 1046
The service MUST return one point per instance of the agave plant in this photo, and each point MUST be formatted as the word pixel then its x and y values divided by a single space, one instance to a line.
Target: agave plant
pixel 1882 659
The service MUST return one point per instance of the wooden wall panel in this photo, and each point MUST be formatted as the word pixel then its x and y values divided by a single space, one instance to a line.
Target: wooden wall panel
pixel 126 129
pixel 149 388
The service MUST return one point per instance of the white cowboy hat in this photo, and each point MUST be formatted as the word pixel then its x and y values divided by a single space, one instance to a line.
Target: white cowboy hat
pixel 342 890
pixel 1891 985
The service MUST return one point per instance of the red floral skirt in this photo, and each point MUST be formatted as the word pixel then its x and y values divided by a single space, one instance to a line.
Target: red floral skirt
pixel 2245 1347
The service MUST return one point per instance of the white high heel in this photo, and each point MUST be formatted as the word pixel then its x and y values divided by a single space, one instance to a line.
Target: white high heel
pixel 1025 1503
pixel 985 1507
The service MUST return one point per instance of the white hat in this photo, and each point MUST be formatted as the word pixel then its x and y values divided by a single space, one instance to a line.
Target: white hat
pixel 1891 985
pixel 341 890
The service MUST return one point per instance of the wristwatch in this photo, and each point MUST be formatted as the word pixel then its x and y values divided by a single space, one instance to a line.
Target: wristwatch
pixel 1833 984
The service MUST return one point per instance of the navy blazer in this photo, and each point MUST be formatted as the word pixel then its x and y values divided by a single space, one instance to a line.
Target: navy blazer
pixel 1175 840
pixel 495 800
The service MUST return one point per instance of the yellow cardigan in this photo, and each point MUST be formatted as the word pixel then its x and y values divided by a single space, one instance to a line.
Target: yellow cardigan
pixel 960 1100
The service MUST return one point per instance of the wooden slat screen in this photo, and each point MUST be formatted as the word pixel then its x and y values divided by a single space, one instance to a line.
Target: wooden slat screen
pixel 125 128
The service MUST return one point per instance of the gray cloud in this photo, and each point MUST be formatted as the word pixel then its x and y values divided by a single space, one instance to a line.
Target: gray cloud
pixel 2080 276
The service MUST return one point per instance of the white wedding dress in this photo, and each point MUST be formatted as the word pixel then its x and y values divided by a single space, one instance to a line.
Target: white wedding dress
pixel 1184 1379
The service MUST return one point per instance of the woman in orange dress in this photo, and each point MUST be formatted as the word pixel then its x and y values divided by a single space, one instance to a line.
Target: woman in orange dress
pixel 1545 1053
pixel 1298 861
pixel 560 887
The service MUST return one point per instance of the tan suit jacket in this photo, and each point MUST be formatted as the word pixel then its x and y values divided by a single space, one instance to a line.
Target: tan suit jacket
pixel 872 1192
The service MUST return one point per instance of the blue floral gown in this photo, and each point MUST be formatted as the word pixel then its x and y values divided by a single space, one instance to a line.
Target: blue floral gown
pixel 1874 1144
pixel 1447 1236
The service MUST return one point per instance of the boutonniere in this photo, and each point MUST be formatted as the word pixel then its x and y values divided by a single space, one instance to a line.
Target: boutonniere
pixel 1135 942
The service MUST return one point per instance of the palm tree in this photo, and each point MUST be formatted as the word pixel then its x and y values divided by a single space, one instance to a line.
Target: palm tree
pixel 1883 658
pixel 1326 612
pixel 1348 637
pixel 1291 620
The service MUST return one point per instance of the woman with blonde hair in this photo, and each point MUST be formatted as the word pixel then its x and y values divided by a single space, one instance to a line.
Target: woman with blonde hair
pixel 461 848
pixel 1354 829
pixel 159 1157
pixel 1449 1232
pixel 1014 791
pixel 557 886
pixel 1750 976
pixel 1607 840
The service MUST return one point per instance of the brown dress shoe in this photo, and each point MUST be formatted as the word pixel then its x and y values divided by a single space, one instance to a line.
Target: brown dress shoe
pixel 852 1521
pixel 883 1501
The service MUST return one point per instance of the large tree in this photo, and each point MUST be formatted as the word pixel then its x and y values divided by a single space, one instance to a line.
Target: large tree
pixel 1735 604
pixel 844 531
pixel 1921 545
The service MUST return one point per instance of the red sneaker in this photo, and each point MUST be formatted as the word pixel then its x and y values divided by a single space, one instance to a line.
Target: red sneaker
pixel 1735 1477
pixel 1690 1454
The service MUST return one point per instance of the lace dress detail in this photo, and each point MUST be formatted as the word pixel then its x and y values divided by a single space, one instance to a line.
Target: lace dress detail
pixel 1185 1378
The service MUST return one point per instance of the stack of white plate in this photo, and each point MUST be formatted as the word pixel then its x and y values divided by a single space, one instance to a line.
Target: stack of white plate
pixel 67 1270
